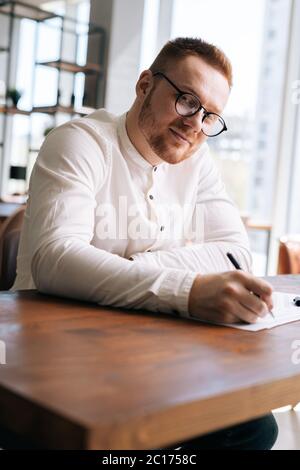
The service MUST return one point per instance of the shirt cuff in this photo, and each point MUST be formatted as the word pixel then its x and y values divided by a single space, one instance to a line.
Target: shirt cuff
pixel 175 290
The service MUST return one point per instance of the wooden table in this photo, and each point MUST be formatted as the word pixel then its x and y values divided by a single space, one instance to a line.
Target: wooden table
pixel 85 377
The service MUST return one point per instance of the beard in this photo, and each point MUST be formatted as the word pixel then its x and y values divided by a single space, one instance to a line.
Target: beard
pixel 148 127
pixel 157 140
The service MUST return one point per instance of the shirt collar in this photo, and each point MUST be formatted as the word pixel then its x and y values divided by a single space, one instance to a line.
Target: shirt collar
pixel 130 152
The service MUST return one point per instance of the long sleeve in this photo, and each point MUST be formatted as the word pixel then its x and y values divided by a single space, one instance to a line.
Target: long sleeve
pixel 70 169
pixel 220 231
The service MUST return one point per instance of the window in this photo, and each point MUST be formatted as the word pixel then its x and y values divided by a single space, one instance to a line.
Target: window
pixel 293 212
pixel 256 44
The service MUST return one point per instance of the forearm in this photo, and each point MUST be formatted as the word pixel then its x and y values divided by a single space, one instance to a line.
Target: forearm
pixel 206 258
pixel 74 269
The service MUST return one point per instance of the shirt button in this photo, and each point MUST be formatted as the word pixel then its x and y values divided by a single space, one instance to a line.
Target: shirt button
pixel 150 196
pixel 162 228
pixel 155 168
pixel 148 251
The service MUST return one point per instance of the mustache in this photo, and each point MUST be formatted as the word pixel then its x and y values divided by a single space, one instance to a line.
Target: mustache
pixel 183 130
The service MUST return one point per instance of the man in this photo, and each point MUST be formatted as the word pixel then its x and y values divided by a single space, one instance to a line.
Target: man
pixel 130 211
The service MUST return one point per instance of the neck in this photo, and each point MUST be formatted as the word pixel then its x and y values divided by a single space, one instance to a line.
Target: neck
pixel 137 138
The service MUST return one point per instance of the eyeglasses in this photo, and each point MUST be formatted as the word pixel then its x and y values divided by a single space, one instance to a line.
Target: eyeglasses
pixel 188 105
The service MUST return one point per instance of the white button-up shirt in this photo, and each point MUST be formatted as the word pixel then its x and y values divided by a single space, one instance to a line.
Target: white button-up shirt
pixel 104 225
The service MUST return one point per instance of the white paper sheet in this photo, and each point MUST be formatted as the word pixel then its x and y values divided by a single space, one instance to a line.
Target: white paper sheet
pixel 284 311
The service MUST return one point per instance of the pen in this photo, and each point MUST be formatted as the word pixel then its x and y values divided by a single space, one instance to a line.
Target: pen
pixel 237 266
pixel 233 260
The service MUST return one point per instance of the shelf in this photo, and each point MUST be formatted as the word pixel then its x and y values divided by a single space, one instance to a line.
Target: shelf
pixel 13 199
pixel 83 111
pixel 13 110
pixel 47 110
pixel 23 10
pixel 62 109
pixel 72 67
pixel 7 208
pixel 65 101
pixel 259 225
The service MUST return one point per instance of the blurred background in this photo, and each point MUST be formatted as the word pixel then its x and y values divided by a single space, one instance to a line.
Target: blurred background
pixel 62 59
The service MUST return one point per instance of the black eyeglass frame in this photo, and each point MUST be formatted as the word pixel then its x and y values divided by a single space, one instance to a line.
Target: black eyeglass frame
pixel 205 114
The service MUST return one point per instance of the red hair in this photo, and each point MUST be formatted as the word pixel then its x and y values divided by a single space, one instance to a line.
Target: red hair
pixel 180 48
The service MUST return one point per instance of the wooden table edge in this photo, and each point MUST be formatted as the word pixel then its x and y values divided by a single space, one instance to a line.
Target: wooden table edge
pixel 195 418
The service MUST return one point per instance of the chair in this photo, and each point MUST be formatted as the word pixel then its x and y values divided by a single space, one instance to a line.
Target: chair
pixel 9 243
pixel 289 260
pixel 289 255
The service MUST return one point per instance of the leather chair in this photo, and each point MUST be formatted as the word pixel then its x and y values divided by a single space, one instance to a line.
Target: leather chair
pixel 289 255
pixel 289 260
pixel 9 243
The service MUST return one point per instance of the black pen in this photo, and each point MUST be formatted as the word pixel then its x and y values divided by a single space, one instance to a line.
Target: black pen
pixel 237 266
pixel 233 260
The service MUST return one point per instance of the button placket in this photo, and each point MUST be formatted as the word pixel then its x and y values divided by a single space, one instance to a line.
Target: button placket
pixel 160 226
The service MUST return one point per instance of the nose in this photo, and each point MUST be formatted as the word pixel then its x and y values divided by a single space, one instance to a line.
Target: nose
pixel 195 121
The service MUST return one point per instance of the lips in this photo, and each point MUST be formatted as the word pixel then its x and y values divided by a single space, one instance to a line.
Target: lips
pixel 179 136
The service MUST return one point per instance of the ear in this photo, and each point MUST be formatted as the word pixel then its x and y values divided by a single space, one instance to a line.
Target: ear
pixel 144 84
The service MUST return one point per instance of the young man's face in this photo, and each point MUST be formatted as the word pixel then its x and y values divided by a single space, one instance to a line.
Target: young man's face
pixel 171 137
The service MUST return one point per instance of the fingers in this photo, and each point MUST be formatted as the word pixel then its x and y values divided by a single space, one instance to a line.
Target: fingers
pixel 228 297
pixel 260 287
pixel 238 298
pixel 268 300
pixel 233 311
pixel 255 304
pixel 256 285
pixel 246 315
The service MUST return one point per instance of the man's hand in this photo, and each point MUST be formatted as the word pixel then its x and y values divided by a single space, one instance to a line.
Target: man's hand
pixel 228 297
